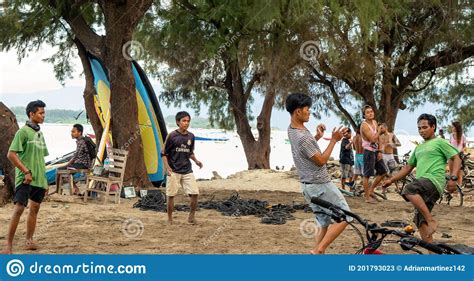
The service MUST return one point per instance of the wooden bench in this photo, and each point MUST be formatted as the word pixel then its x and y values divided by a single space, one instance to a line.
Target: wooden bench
pixel 116 172
pixel 67 176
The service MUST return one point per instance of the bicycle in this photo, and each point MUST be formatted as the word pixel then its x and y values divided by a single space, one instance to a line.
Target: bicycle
pixel 458 198
pixel 467 167
pixel 400 184
pixel 376 235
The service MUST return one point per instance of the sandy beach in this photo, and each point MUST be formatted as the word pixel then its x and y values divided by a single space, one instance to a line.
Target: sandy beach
pixel 67 225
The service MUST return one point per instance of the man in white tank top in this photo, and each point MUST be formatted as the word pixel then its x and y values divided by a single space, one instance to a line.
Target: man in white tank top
pixel 373 161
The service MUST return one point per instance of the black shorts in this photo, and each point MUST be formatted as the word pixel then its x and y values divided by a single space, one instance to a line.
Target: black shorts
pixel 427 190
pixel 372 166
pixel 23 192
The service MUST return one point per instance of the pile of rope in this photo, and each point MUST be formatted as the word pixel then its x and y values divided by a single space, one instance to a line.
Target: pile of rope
pixel 155 201
pixel 233 206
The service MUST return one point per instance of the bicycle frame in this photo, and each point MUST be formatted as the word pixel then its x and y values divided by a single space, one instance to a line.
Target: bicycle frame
pixel 407 241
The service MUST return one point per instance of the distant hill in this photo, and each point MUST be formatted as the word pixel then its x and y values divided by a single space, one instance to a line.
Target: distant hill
pixel 196 122
pixel 61 116
pixel 66 116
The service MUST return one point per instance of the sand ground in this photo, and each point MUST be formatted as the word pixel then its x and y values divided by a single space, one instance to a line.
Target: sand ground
pixel 67 225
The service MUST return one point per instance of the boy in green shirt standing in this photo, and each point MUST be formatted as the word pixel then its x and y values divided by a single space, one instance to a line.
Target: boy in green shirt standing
pixel 27 153
pixel 430 159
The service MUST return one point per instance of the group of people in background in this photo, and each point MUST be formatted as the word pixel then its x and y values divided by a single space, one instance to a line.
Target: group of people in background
pixel 375 148
pixel 378 139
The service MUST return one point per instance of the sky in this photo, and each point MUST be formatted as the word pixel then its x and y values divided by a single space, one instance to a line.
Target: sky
pixel 34 79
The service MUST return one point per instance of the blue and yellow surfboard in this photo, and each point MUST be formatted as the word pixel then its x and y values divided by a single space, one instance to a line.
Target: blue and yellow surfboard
pixel 150 118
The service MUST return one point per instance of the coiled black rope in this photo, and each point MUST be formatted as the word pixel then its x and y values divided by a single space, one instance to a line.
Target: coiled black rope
pixel 233 206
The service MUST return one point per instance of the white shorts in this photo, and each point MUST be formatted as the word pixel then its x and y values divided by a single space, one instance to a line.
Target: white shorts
pixel 187 181
pixel 389 161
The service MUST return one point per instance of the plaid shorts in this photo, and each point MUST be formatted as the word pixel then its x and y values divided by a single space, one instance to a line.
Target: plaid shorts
pixel 346 171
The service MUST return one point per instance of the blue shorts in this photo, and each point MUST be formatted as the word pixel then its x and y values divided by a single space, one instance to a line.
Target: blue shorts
pixel 328 192
pixel 359 164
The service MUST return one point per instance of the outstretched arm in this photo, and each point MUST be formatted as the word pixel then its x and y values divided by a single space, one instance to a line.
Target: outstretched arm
pixel 400 175
pixel 199 163
pixel 321 159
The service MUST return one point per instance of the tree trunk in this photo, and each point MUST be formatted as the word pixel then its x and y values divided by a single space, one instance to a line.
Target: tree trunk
pixel 8 128
pixel 388 115
pixel 257 152
pixel 264 127
pixel 89 91
pixel 119 25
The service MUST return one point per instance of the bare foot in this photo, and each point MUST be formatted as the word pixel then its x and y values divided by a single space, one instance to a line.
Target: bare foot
pixel 316 252
pixel 31 246
pixel 192 221
pixel 371 201
pixel 7 250
pixel 432 226
pixel 170 222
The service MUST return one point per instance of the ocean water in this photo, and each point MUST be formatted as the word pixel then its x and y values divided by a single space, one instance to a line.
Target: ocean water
pixel 225 158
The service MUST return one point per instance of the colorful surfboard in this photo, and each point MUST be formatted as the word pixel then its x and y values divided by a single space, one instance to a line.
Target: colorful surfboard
pixel 150 118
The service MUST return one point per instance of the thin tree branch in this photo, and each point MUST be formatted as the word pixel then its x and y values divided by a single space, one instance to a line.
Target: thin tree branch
pixel 425 86
pixel 323 80
pixel 255 79
pixel 441 59
pixel 82 31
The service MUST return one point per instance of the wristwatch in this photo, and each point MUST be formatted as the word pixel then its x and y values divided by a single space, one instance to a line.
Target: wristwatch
pixel 453 178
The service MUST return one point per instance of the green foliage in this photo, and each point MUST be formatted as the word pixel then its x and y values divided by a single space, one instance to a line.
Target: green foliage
pixel 189 41
pixel 195 40
pixel 458 104
pixel 368 47
pixel 28 25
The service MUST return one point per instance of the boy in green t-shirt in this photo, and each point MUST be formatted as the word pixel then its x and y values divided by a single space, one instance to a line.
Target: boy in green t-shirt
pixel 27 152
pixel 430 159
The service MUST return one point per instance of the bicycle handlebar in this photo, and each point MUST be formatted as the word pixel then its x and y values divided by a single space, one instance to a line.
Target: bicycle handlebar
pixel 336 211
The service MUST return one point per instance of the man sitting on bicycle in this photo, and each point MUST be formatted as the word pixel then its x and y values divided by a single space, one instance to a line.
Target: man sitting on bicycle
pixel 430 159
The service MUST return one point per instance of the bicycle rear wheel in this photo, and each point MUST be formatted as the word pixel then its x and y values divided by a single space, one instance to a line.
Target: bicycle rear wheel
pixel 455 199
